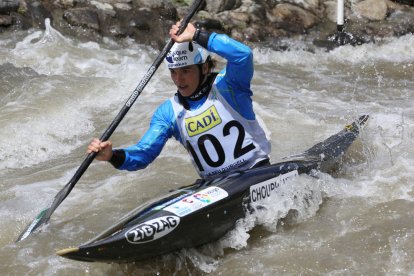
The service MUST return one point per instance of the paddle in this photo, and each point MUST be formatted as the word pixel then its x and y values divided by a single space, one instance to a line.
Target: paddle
pixel 44 215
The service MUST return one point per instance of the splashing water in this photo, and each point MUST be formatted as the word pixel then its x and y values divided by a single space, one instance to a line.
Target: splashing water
pixel 57 93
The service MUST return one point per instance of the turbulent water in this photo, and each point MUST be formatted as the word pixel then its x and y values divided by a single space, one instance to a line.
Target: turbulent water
pixel 57 93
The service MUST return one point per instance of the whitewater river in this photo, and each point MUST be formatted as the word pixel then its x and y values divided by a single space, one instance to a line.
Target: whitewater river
pixel 57 93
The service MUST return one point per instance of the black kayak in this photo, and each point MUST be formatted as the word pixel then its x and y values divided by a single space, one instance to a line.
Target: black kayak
pixel 205 211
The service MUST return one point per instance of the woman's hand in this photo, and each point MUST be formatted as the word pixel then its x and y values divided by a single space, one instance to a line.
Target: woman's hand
pixel 104 149
pixel 187 35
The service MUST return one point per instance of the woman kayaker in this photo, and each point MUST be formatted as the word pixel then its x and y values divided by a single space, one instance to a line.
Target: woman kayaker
pixel 211 114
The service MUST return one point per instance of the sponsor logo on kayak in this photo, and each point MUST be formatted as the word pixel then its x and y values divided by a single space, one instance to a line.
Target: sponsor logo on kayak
pixel 202 122
pixel 197 201
pixel 152 230
pixel 165 204
pixel 203 198
pixel 266 188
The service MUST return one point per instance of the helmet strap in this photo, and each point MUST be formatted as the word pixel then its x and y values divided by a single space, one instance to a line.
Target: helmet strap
pixel 204 90
pixel 204 84
pixel 199 90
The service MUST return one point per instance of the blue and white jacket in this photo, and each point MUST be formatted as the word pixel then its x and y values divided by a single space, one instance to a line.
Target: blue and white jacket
pixel 233 84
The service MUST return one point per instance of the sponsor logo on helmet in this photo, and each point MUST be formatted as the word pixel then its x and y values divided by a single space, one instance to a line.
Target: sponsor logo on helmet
pixel 152 230
pixel 177 56
pixel 202 122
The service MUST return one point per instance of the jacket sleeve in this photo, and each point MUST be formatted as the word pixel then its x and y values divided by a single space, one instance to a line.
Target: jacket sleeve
pixel 239 68
pixel 162 127
pixel 233 82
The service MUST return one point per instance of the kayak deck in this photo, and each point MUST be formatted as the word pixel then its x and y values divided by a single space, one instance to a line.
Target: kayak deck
pixel 206 210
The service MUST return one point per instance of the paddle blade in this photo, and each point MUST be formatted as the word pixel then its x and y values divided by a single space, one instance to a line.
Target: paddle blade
pixel 44 215
pixel 39 220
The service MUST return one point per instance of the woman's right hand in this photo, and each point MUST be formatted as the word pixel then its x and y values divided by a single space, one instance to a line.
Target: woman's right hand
pixel 187 34
pixel 104 149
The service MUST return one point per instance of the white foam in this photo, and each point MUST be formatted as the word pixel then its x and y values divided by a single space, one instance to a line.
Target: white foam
pixel 59 112
pixel 302 194
pixel 389 50
pixel 402 253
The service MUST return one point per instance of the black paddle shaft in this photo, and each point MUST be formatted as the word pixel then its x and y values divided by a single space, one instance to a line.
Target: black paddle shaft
pixel 45 214
pixel 160 58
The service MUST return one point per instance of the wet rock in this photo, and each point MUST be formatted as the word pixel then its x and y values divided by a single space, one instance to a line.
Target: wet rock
pixel 84 17
pixel 254 9
pixel 293 18
pixel 113 2
pixel 144 25
pixel 330 10
pixel 164 7
pixel 310 5
pixel 405 2
pixel 65 3
pixel 398 21
pixel 397 24
pixel 140 20
pixel 252 34
pixel 117 31
pixel 234 18
pixel 152 4
pixel 7 6
pixel 104 8
pixel 372 9
pixel 209 24
pixel 123 6
pixel 216 6
pixel 5 20
pixel 270 21
pixel 38 13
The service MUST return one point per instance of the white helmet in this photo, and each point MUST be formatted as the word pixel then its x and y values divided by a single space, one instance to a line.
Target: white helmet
pixel 185 54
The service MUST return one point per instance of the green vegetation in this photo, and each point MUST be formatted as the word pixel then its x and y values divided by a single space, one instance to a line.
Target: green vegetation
pixel 182 2
pixel 22 10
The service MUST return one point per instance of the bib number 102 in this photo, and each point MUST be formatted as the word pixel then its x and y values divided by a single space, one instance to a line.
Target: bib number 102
pixel 238 151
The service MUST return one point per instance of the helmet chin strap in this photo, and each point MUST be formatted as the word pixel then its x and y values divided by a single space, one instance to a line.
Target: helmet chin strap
pixel 202 89
pixel 205 82
pixel 199 91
